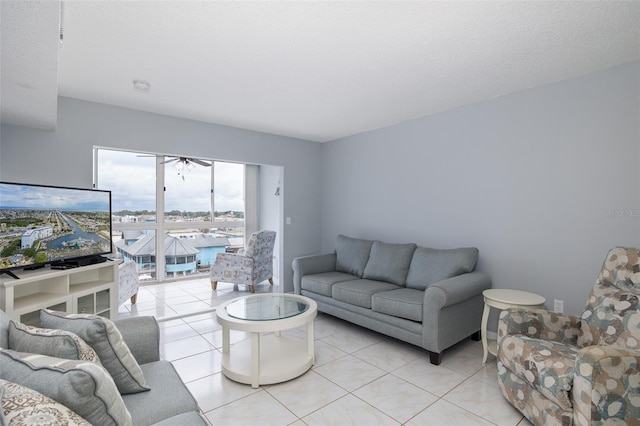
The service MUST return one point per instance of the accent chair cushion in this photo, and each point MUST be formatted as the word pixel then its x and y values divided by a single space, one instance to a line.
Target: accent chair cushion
pixel 352 255
pixel 24 406
pixel 546 365
pixel 84 387
pixel 45 341
pixel 389 262
pixel 103 336
pixel 430 265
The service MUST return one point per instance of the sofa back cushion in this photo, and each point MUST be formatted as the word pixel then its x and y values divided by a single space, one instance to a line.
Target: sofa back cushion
pixel 352 255
pixel 389 262
pixel 103 336
pixel 430 265
pixel 612 313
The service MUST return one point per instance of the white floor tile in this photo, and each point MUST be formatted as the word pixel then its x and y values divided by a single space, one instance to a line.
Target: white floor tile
pixel 395 397
pixel 348 410
pixel 306 393
pixel 485 401
pixel 350 372
pixel 443 413
pixel 432 378
pixel 259 408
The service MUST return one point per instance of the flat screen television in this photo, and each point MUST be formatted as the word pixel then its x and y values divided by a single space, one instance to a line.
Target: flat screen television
pixel 41 224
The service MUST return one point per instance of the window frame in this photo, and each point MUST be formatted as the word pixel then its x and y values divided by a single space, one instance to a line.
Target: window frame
pixel 161 227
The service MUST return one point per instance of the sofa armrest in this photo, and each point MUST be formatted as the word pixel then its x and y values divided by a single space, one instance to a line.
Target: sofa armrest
pixel 142 336
pixel 455 290
pixel 539 324
pixel 606 385
pixel 314 264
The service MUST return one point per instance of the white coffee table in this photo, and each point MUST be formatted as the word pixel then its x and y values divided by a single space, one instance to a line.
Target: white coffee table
pixel 270 357
pixel 504 299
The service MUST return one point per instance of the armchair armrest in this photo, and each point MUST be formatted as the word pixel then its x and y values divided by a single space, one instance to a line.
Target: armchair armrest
pixel 142 336
pixel 314 264
pixel 539 324
pixel 455 290
pixel 606 385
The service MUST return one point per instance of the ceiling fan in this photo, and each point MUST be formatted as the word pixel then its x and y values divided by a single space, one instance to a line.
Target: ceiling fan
pixel 186 162
pixel 181 163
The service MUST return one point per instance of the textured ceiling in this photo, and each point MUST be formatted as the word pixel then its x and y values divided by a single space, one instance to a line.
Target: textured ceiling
pixel 312 70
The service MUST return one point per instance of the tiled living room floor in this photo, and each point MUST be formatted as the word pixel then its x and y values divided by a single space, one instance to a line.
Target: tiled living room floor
pixel 359 377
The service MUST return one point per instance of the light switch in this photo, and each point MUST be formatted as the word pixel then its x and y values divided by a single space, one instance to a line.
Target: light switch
pixel 288 221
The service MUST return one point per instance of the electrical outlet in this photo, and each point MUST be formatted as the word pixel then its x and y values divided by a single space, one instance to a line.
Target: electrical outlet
pixel 558 306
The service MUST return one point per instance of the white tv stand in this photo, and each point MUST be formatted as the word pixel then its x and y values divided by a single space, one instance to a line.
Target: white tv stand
pixel 91 289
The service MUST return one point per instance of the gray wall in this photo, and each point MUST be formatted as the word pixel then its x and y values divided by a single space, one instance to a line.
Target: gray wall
pixel 531 179
pixel 64 157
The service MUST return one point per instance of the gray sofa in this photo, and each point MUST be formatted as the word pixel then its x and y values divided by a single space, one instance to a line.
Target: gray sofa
pixel 167 401
pixel 430 298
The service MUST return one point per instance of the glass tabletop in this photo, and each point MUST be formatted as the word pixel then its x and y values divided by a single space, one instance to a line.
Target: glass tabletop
pixel 266 307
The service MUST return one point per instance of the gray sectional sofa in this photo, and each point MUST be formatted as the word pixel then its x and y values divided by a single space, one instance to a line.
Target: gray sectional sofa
pixel 145 391
pixel 430 298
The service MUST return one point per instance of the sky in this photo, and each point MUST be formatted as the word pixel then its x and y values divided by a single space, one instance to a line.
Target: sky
pixel 131 178
pixel 52 198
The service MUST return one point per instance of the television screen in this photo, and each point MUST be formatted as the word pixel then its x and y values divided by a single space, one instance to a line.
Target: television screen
pixel 44 224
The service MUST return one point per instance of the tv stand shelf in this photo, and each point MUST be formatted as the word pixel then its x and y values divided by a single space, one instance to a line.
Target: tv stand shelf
pixel 91 289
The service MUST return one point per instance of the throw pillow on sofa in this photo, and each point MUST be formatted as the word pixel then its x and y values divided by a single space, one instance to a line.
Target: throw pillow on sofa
pixel 84 387
pixel 103 336
pixel 44 341
pixel 352 255
pixel 24 406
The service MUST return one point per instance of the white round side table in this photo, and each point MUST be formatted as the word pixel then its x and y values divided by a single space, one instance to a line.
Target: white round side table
pixel 504 299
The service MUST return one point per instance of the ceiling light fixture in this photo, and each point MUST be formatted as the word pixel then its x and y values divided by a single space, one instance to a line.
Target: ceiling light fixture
pixel 141 86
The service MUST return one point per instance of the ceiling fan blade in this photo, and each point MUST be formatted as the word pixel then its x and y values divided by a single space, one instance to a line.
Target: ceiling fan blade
pixel 169 161
pixel 200 162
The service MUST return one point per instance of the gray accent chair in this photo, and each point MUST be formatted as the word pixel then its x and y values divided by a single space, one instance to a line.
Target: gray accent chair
pixel 430 298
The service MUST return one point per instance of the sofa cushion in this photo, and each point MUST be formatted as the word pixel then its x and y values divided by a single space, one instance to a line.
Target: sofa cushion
pixel 84 387
pixel 432 265
pixel 322 283
pixel 546 365
pixel 352 255
pixel 52 342
pixel 389 262
pixel 168 396
pixel 359 292
pixel 24 406
pixel 402 302
pixel 102 335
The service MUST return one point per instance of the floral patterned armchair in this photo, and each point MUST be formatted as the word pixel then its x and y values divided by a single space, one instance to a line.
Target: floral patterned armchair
pixel 559 369
pixel 128 282
pixel 250 267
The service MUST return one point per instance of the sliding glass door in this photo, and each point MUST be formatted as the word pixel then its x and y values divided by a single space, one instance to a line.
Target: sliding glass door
pixel 196 205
